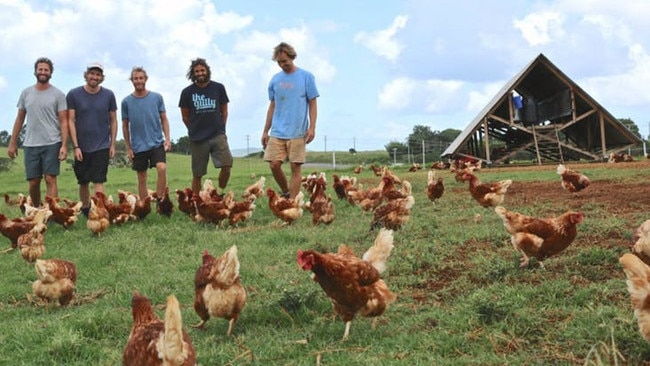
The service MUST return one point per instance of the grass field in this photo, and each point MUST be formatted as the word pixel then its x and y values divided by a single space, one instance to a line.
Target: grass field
pixel 462 298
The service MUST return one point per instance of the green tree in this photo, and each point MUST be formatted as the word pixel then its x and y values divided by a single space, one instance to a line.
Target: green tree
pixel 631 126
pixel 182 146
pixel 4 138
pixel 396 150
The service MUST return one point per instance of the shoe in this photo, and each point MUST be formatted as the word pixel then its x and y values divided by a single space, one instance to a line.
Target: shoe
pixel 85 210
pixel 286 195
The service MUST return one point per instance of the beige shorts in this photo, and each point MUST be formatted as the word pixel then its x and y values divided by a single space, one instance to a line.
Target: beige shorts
pixel 281 149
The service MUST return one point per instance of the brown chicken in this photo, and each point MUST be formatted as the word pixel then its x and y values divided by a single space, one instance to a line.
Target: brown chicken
pixel 572 181
pixel 539 238
pixel 358 169
pixel 370 198
pixel 153 342
pixel 15 202
pixel 63 215
pixel 487 194
pixel 242 210
pixel 256 189
pixel 390 192
pixel 349 185
pixel 32 244
pixel 98 218
pixel 393 214
pixel 286 209
pixel 319 204
pixel 353 284
pixel 142 206
pixel 415 167
pixel 164 205
pixel 120 212
pixel 56 280
pixel 641 241
pixel 12 229
pixel 185 203
pixel 212 210
pixel 638 285
pixel 378 171
pixel 338 187
pixel 218 291
pixel 435 187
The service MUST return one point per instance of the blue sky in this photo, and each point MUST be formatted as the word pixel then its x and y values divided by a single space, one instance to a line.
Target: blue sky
pixel 382 67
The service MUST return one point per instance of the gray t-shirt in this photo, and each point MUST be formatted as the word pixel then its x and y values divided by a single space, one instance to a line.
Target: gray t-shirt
pixel 42 125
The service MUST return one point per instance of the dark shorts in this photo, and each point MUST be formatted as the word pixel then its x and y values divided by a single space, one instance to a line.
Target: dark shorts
pixel 217 148
pixel 41 160
pixel 93 168
pixel 148 159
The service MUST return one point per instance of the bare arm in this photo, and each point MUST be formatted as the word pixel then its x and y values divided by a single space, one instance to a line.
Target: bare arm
pixel 224 112
pixel 313 113
pixel 126 134
pixel 165 127
pixel 185 115
pixel 72 129
pixel 267 124
pixel 18 125
pixel 113 119
pixel 63 120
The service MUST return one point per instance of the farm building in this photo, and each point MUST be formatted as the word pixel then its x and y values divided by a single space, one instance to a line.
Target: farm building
pixel 542 111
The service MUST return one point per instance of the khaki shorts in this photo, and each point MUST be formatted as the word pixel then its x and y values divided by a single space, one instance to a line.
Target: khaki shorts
pixel 281 149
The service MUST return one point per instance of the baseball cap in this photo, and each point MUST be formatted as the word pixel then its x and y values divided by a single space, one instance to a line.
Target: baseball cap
pixel 95 65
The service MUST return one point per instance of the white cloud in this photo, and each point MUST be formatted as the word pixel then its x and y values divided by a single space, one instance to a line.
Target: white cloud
pixel 383 42
pixel 540 28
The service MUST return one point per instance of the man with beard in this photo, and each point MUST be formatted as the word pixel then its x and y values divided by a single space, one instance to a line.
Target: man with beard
pixel 204 109
pixel 44 108
pixel 93 127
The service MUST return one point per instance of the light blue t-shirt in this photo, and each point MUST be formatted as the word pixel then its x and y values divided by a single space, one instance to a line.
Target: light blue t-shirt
pixel 291 93
pixel 145 126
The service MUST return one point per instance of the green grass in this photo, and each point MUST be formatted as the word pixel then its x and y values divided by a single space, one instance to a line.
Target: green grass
pixel 462 299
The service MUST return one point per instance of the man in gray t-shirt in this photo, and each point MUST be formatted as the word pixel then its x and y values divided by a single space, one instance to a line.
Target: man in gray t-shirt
pixel 42 108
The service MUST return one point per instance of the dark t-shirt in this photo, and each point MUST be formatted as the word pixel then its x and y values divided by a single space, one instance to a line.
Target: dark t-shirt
pixel 204 105
pixel 92 117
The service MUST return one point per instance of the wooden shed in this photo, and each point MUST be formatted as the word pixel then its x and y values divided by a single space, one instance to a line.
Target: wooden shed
pixel 542 111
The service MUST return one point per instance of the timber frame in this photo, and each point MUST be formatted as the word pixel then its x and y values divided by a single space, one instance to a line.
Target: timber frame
pixel 542 111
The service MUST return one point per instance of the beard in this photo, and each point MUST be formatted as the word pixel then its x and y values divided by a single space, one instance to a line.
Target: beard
pixel 43 79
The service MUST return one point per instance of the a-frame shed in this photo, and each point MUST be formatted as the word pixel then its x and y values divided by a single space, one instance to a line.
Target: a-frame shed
pixel 542 111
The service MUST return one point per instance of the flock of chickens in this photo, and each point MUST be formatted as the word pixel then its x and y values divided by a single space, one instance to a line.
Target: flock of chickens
pixel 352 283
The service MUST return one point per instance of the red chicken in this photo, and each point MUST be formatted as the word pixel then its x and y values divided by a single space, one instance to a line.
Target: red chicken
pixel 286 209
pixel 435 188
pixel 390 192
pixel 153 342
pixel 487 194
pixel 56 280
pixel 64 216
pixel 368 199
pixel 118 213
pixel 218 291
pixel 539 238
pixel 358 169
pixel 378 171
pixel 164 205
pixel 572 181
pixel 15 202
pixel 353 284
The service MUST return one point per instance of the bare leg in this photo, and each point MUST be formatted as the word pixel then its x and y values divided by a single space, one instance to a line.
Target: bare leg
pixel 84 195
pixel 142 184
pixel 161 182
pixel 196 184
pixel 296 179
pixel 51 188
pixel 279 176
pixel 98 187
pixel 224 176
pixel 35 191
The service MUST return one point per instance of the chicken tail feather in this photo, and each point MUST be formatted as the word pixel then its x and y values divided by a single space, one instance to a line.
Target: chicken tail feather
pixel 173 348
pixel 379 252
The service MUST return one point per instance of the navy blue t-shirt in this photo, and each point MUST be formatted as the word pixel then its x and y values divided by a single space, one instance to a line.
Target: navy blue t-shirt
pixel 204 105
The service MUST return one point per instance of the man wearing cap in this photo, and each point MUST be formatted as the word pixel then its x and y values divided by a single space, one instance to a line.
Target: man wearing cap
pixel 44 108
pixel 93 129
